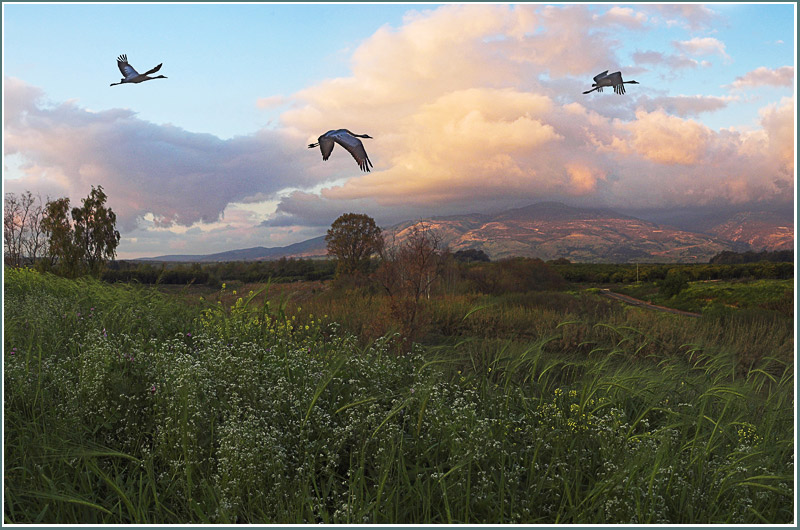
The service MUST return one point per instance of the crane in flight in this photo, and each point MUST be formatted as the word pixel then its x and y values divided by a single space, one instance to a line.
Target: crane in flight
pixel 130 75
pixel 349 141
pixel 605 79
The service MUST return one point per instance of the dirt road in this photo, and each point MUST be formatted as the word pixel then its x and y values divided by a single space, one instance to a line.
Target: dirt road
pixel 641 303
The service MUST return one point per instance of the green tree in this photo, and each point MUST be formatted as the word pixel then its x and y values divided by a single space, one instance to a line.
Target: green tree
pixel 84 243
pixel 62 254
pixel 95 230
pixel 352 239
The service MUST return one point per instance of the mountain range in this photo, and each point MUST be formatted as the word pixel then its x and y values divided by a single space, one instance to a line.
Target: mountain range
pixel 551 230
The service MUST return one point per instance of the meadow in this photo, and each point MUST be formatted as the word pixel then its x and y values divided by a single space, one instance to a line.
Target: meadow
pixel 260 403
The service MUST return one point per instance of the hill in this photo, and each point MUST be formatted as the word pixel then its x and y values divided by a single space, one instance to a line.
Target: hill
pixel 551 230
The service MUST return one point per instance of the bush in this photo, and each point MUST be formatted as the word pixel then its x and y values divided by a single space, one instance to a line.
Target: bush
pixel 675 282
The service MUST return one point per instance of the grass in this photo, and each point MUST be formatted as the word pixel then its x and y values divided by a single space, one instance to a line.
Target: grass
pixel 127 406
pixel 720 296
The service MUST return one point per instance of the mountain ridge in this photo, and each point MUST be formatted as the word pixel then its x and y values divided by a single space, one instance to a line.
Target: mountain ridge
pixel 551 230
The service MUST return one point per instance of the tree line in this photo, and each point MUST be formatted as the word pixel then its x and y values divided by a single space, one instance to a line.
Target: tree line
pixel 631 272
pixel 405 266
pixel 214 274
pixel 51 236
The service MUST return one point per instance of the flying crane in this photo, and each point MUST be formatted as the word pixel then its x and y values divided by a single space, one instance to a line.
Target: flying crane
pixel 605 79
pixel 130 75
pixel 349 141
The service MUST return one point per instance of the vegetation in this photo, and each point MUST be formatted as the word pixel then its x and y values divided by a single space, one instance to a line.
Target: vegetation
pixel 45 236
pixel 127 406
pixel 627 273
pixel 776 256
pixel 213 274
pixel 352 239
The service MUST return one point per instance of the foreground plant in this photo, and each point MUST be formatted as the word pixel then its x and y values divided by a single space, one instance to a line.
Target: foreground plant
pixel 242 415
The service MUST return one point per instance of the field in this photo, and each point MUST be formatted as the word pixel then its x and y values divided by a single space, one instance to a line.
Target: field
pixel 296 403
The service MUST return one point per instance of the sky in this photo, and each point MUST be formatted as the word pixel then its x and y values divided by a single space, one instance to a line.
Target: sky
pixel 472 108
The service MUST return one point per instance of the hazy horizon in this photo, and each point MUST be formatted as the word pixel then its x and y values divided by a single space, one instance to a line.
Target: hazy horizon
pixel 473 108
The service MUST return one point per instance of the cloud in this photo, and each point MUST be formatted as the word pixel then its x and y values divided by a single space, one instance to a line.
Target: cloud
pixel 702 46
pixel 763 76
pixel 179 176
pixel 270 102
pixel 685 106
pixel 674 62
pixel 461 137
pixel 624 16
pixel 473 108
pixel 691 16
pixel 666 139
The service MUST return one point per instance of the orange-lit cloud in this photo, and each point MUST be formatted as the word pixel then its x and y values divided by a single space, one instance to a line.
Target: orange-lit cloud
pixel 480 125
pixel 667 139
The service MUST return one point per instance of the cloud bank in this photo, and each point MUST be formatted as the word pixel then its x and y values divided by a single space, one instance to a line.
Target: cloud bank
pixel 471 107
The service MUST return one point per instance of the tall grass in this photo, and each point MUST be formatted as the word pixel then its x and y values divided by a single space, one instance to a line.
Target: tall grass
pixel 152 411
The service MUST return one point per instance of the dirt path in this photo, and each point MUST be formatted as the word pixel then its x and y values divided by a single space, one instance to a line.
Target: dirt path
pixel 641 303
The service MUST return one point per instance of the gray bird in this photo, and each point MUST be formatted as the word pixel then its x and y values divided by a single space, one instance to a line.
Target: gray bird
pixel 605 79
pixel 349 141
pixel 131 75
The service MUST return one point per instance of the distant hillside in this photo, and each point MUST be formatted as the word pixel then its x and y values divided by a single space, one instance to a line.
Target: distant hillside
pixel 551 230
pixel 760 230
pixel 310 248
pixel 554 230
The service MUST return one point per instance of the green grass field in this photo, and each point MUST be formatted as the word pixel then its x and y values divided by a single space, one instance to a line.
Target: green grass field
pixel 719 296
pixel 125 405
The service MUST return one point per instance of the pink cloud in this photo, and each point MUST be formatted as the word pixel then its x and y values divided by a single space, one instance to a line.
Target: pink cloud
pixel 763 76
pixel 702 46
pixel 685 106
pixel 675 62
pixel 624 16
pixel 178 176
pixel 691 16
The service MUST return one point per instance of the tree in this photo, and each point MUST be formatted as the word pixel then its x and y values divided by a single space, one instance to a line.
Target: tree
pixel 23 237
pixel 13 221
pixel 674 282
pixel 408 271
pixel 352 239
pixel 84 243
pixel 95 234
pixel 61 253
pixel 471 254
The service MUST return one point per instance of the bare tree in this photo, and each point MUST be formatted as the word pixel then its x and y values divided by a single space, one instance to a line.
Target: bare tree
pixel 408 271
pixel 12 229
pixel 35 241
pixel 23 237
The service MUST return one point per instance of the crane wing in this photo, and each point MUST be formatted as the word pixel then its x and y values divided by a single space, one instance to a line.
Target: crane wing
pixel 154 70
pixel 326 146
pixel 355 148
pixel 599 76
pixel 126 69
pixel 615 78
